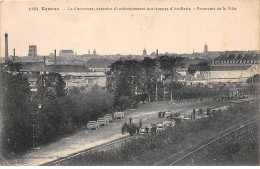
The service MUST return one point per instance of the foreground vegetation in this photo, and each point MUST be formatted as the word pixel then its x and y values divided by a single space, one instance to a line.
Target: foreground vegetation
pixel 243 151
pixel 33 119
pixel 183 137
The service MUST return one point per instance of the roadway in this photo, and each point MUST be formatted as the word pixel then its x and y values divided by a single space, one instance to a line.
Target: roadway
pixel 84 139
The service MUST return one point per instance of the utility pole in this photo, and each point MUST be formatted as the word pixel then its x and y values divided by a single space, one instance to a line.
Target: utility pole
pixel 35 125
pixel 156 73
pixel 156 91
pixel 252 75
pixel 33 136
pixel 163 90
pixel 241 72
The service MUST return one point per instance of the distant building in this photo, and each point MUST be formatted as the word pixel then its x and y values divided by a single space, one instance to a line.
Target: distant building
pixel 234 66
pixel 206 48
pixel 73 75
pixel 67 54
pixel 32 51
pixel 94 52
pixel 144 52
pixel 99 69
pixel 230 67
pixel 236 57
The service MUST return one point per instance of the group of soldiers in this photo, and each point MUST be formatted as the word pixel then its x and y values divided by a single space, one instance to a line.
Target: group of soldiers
pixel 132 128
pixel 161 114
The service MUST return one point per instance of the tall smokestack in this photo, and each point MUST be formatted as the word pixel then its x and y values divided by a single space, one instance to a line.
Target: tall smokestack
pixel 44 60
pixel 14 56
pixel 44 64
pixel 6 47
pixel 55 61
pixel 157 52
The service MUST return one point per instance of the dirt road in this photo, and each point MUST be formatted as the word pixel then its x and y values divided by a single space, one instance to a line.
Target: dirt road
pixel 85 139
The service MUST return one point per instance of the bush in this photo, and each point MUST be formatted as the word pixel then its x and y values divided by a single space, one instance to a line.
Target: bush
pixel 64 115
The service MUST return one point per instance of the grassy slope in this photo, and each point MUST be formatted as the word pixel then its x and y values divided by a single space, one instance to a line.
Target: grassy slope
pixel 240 151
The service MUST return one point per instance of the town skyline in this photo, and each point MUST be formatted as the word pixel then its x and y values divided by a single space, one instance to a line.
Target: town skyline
pixel 129 32
pixel 95 52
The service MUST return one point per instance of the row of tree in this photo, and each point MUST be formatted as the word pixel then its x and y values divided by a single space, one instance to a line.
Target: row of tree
pixel 132 81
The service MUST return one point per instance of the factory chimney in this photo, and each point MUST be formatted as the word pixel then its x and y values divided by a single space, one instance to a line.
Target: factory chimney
pixel 44 64
pixel 14 56
pixel 157 52
pixel 44 60
pixel 55 59
pixel 6 47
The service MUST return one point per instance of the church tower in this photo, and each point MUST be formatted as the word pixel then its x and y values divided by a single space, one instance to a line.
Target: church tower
pixel 206 48
pixel 144 52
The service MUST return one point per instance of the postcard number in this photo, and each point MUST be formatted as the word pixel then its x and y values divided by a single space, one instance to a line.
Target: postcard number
pixel 33 9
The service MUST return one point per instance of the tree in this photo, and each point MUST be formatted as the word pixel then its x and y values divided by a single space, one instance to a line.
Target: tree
pixel 113 75
pixel 202 66
pixel 192 69
pixel 16 118
pixel 51 86
pixel 60 86
pixel 151 75
pixel 10 66
pixel 253 88
pixel 124 102
pixel 255 79
pixel 169 65
pixel 74 90
pixel 125 79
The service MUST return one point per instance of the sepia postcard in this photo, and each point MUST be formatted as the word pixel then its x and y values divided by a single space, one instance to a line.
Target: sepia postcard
pixel 129 83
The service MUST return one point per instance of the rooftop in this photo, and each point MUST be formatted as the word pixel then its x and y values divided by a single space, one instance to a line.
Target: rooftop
pixel 229 68
pixel 39 66
pixel 66 51
pixel 239 55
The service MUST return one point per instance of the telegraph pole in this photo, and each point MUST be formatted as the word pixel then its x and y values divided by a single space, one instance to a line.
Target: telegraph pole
pixel 156 91
pixel 35 125
pixel 156 73
pixel 252 75
pixel 163 90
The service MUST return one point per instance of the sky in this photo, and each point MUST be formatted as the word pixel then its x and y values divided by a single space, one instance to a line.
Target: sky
pixel 129 32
